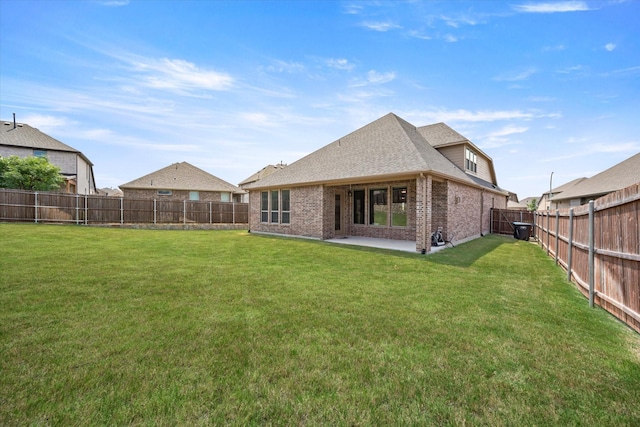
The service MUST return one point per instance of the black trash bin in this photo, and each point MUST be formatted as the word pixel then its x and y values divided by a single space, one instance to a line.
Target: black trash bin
pixel 521 230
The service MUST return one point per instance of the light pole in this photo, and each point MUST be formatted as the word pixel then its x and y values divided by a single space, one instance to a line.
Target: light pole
pixel 550 186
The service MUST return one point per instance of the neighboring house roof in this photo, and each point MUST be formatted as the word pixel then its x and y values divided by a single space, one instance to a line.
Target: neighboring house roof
pixel 563 187
pixel 25 136
pixel 181 176
pixel 263 173
pixel 615 178
pixel 387 147
pixel 111 192
pixel 515 205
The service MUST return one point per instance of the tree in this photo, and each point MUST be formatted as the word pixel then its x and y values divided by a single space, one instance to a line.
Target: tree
pixel 29 173
pixel 533 205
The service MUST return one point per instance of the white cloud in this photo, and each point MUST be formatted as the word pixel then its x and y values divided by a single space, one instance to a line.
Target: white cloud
pixel 181 75
pixel 552 7
pixel 374 78
pixel 380 26
pixel 285 67
pixel 507 130
pixel 610 46
pixel 516 76
pixel 450 38
pixel 569 70
pixel 114 3
pixel 470 116
pixel 340 64
pixel 44 122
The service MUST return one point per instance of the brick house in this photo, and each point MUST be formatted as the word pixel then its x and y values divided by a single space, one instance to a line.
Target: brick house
pixel 22 140
pixel 182 181
pixel 387 180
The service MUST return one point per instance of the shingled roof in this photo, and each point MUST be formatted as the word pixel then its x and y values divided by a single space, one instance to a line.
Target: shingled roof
pixel 25 136
pixel 181 176
pixel 615 178
pixel 387 147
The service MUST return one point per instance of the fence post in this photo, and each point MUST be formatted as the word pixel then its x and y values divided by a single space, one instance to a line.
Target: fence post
pixel 184 211
pixel 591 255
pixel 77 209
pixel 233 212
pixel 548 232
pixel 121 210
pixel 154 211
pixel 210 212
pixel 35 211
pixel 86 209
pixel 570 243
pixel 557 233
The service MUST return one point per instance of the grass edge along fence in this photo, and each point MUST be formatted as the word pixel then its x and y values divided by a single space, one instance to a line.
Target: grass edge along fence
pixel 41 207
pixel 598 244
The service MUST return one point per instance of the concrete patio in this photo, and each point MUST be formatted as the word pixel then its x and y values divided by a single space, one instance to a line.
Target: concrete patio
pixel 396 245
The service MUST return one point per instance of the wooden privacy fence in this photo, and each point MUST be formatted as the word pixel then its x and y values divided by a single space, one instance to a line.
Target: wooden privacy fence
pixel 599 246
pixel 17 205
pixel 502 220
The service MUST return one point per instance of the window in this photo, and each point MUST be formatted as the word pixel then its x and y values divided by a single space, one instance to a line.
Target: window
pixel 40 153
pixel 224 197
pixel 274 205
pixel 358 207
pixel 264 206
pixel 194 195
pixel 399 207
pixel 471 161
pixel 286 206
pixel 378 208
pixel 165 192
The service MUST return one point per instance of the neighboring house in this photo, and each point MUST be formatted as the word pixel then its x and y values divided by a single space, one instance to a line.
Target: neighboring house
pixel 262 173
pixel 111 192
pixel 544 204
pixel 20 139
pixel 388 180
pixel 527 201
pixel 182 181
pixel 615 178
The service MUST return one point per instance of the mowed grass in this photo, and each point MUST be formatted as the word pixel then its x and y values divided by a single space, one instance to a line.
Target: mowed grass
pixel 148 327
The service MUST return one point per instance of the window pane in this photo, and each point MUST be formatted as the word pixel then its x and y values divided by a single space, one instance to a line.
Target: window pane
pixel 194 195
pixel 285 206
pixel 399 207
pixel 358 207
pixel 264 206
pixel 224 197
pixel 274 205
pixel 378 211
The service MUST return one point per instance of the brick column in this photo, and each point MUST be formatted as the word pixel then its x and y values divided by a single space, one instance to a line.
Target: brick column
pixel 423 213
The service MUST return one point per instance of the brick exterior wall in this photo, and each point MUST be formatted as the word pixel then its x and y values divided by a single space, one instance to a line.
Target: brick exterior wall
pixel 205 196
pixel 459 210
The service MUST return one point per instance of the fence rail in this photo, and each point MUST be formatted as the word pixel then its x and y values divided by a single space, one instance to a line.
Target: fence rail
pixel 599 246
pixel 29 206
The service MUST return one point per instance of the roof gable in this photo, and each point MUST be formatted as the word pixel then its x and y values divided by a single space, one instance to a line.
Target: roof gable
pixel 25 136
pixel 181 176
pixel 385 147
pixel 615 178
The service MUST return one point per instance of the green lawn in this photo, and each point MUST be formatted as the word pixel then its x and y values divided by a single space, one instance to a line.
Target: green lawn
pixel 150 327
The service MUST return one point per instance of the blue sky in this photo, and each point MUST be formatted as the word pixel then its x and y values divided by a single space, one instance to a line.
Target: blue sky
pixel 231 86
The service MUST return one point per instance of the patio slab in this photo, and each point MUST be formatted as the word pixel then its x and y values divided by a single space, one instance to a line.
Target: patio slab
pixel 396 245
